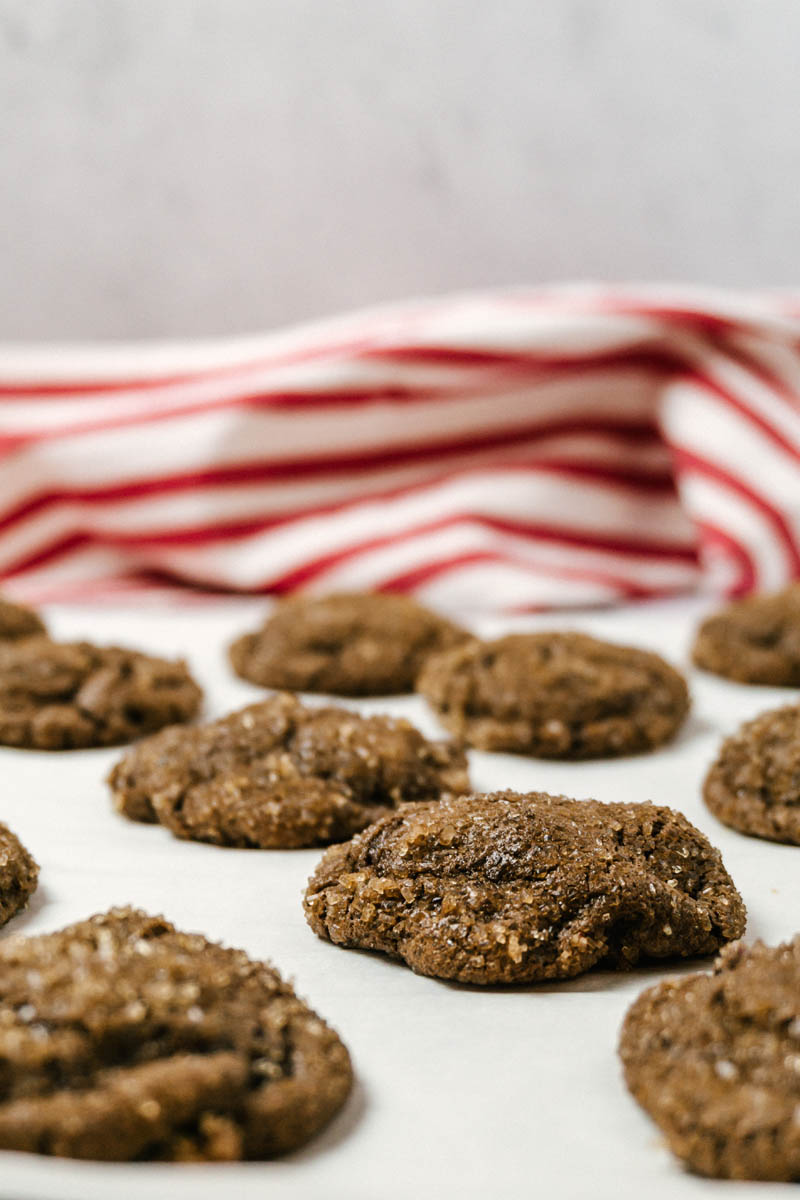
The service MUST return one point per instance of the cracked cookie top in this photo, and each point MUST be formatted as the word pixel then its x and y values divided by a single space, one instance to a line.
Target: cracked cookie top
pixel 516 888
pixel 279 774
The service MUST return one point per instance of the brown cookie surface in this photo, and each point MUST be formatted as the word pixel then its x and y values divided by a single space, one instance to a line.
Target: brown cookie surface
pixel 122 1038
pixel 279 775
pixel 555 695
pixel 715 1061
pixel 754 785
pixel 17 621
pixel 755 640
pixel 347 644
pixel 70 695
pixel 19 875
pixel 517 888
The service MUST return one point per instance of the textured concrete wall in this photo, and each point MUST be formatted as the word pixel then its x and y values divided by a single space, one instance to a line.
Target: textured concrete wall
pixel 199 166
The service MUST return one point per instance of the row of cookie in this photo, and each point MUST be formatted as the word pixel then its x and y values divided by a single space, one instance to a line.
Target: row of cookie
pixel 368 645
pixel 550 694
pixel 122 1038
pixel 556 695
pixel 280 775
pixel 561 695
pixel 365 914
pixel 508 887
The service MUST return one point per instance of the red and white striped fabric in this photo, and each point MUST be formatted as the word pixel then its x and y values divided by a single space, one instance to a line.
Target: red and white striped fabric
pixel 520 449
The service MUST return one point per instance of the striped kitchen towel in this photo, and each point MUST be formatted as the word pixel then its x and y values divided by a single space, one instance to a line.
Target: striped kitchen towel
pixel 520 449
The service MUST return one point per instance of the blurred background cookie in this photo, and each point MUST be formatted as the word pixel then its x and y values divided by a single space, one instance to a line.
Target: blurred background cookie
pixel 755 640
pixel 70 695
pixel 17 621
pixel 556 695
pixel 349 644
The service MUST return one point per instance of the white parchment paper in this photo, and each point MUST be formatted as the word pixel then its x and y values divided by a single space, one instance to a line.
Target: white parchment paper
pixel 462 1092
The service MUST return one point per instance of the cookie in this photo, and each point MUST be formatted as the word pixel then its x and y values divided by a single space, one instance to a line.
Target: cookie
pixel 350 644
pixel 122 1038
pixel 281 775
pixel 69 695
pixel 715 1061
pixel 19 875
pixel 510 888
pixel 754 785
pixel 755 640
pixel 555 695
pixel 16 621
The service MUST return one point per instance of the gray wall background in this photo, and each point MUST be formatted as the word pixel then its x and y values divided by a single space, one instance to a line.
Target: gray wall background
pixel 175 167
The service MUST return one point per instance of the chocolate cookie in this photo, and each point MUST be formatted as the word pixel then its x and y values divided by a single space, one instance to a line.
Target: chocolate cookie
pixel 69 695
pixel 16 621
pixel 280 775
pixel 756 640
pixel 511 888
pixel 122 1038
pixel 754 785
pixel 715 1061
pixel 555 695
pixel 19 875
pixel 351 644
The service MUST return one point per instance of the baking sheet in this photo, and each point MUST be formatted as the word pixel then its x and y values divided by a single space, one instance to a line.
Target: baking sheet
pixel 462 1091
